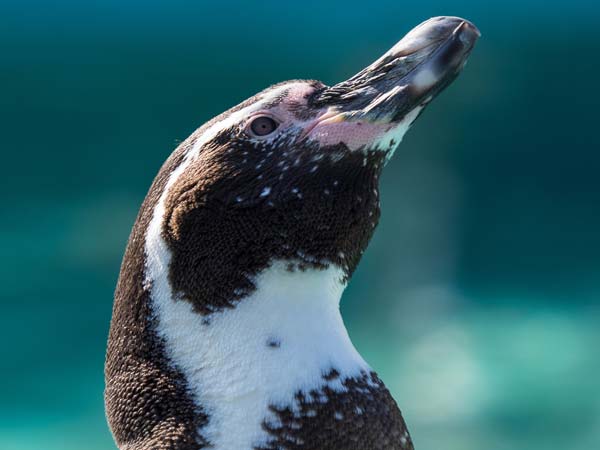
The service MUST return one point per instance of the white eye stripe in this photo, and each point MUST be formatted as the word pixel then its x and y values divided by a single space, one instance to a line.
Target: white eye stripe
pixel 236 118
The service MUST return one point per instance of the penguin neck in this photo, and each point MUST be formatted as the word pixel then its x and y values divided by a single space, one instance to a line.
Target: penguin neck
pixel 284 338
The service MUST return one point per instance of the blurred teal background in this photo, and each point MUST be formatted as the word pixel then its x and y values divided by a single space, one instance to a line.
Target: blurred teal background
pixel 478 301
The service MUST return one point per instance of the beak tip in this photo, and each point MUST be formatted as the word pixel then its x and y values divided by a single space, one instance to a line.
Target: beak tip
pixel 408 75
pixel 467 32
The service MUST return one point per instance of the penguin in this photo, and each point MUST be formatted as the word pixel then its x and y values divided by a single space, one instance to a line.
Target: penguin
pixel 226 332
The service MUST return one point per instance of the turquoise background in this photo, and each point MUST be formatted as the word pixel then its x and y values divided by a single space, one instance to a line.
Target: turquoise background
pixel 478 301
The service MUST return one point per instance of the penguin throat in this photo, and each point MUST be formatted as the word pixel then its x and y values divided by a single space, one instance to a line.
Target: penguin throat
pixel 239 363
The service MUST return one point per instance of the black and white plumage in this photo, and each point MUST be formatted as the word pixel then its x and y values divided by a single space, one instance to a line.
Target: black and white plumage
pixel 226 330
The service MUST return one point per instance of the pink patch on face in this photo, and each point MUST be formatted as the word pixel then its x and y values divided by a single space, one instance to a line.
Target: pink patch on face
pixel 295 97
pixel 354 134
pixel 298 93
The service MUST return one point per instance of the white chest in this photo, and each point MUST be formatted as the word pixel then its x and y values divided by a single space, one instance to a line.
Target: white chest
pixel 281 339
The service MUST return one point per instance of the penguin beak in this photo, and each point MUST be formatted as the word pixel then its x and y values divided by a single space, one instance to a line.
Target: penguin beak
pixel 405 78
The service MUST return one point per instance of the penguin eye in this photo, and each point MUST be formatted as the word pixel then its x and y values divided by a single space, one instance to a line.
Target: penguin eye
pixel 263 125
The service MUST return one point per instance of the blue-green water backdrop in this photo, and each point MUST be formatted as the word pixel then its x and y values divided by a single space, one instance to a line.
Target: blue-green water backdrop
pixel 478 301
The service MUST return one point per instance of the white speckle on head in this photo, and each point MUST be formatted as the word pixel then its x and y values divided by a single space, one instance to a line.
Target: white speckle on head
pixel 338 415
pixel 266 191
pixel 297 192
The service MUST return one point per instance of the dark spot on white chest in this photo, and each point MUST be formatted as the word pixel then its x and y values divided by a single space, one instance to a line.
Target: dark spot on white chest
pixel 273 342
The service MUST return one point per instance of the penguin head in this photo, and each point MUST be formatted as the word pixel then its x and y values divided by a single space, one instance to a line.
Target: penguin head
pixel 293 172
